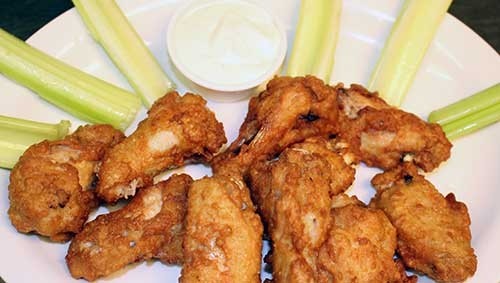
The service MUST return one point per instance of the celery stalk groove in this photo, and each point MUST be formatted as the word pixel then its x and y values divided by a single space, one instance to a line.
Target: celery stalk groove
pixel 313 50
pixel 466 106
pixel 469 114
pixel 472 122
pixel 405 48
pixel 325 58
pixel 111 29
pixel 80 94
pixel 16 135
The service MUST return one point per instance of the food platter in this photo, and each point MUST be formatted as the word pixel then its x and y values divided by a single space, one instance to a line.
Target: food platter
pixel 457 64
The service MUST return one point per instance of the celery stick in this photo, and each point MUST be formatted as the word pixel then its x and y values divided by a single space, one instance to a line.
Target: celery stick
pixel 112 30
pixel 466 106
pixel 16 135
pixel 313 50
pixel 305 42
pixel 323 63
pixel 472 122
pixel 405 48
pixel 80 94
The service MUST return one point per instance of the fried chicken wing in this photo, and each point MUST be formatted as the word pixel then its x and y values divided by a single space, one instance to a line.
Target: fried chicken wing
pixel 305 176
pixel 433 231
pixel 384 136
pixel 360 245
pixel 150 226
pixel 49 188
pixel 288 111
pixel 223 239
pixel 179 129
pixel 318 233
pixel 294 196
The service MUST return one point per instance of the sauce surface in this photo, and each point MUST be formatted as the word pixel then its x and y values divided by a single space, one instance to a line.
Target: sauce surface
pixel 225 42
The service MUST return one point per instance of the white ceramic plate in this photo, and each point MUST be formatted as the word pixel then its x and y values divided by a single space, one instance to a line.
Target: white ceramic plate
pixel 457 64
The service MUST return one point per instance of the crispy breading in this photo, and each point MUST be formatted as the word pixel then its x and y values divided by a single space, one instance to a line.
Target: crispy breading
pixel 150 226
pixel 49 188
pixel 360 245
pixel 433 231
pixel 354 99
pixel 318 233
pixel 178 130
pixel 383 136
pixel 288 111
pixel 305 176
pixel 223 238
pixel 294 196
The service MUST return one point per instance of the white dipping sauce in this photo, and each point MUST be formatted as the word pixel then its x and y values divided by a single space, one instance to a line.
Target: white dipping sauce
pixel 225 44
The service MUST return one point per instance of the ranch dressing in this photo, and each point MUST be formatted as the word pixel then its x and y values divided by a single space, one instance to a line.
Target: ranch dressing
pixel 225 43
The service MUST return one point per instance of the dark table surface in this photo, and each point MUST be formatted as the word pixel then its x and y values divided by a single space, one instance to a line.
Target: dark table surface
pixel 24 17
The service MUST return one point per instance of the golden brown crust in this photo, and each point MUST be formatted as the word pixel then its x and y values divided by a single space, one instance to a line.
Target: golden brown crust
pixel 383 136
pixel 223 239
pixel 179 129
pixel 360 246
pixel 318 235
pixel 49 186
pixel 150 226
pixel 433 231
pixel 288 111
pixel 306 175
pixel 355 98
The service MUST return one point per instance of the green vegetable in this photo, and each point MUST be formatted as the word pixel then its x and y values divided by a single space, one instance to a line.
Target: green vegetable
pixel 467 106
pixel 405 48
pixel 16 135
pixel 85 96
pixel 112 30
pixel 469 114
pixel 313 51
pixel 472 122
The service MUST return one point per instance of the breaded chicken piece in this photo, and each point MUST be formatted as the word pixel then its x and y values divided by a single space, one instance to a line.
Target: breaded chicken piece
pixel 150 226
pixel 178 130
pixel 223 238
pixel 360 245
pixel 305 175
pixel 383 136
pixel 49 188
pixel 288 111
pixel 294 196
pixel 433 231
pixel 319 234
